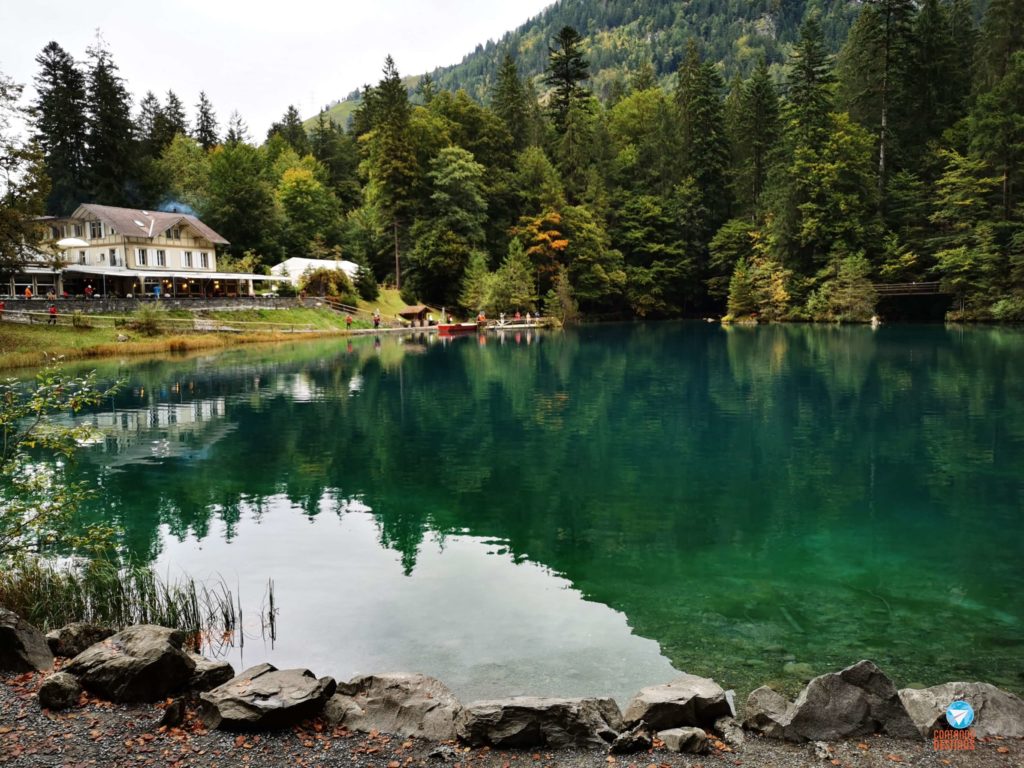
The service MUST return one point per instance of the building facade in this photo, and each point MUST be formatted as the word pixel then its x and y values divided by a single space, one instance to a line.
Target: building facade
pixel 102 250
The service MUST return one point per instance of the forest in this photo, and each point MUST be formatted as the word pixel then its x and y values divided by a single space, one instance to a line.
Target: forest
pixel 785 192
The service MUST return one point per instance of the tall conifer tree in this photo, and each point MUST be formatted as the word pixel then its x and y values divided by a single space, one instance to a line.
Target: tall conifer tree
pixel 60 129
pixel 206 123
pixel 111 150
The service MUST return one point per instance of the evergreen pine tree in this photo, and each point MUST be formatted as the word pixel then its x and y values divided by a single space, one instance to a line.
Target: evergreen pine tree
pixel 393 166
pixel 147 125
pixel 206 123
pixel 809 80
pixel 702 126
pixel 873 73
pixel 427 89
pixel 111 156
pixel 566 71
pixel 644 78
pixel 291 129
pixel 238 131
pixel 508 101
pixel 759 118
pixel 1002 34
pixel 60 129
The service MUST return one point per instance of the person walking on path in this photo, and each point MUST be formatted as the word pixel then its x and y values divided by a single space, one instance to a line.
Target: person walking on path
pixel 52 319
pixel 348 321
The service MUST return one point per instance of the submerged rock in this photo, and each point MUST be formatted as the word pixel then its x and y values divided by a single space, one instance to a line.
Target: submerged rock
pixel 403 704
pixel 71 640
pixel 687 700
pixel 265 697
pixel 141 663
pixel 996 712
pixel 23 648
pixel 528 721
pixel 59 691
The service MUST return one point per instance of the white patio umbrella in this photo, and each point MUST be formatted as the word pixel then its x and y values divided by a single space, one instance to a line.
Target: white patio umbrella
pixel 67 243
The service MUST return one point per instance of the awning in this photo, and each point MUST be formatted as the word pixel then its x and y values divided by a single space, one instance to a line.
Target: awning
pixel 137 273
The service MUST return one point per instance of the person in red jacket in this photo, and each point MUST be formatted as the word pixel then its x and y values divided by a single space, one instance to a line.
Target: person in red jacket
pixel 52 319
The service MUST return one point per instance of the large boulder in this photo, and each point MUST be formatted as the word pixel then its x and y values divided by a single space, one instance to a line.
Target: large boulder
pixel 208 674
pixel 856 701
pixel 765 712
pixel 141 663
pixel 687 700
pixel 528 721
pixel 59 691
pixel 22 647
pixel 403 704
pixel 265 697
pixel 996 712
pixel 71 640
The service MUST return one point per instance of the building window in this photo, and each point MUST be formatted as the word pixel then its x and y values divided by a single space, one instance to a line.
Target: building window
pixel 204 260
pixel 77 228
pixel 141 257
pixel 161 258
pixel 55 233
pixel 81 257
pixel 186 259
pixel 174 233
pixel 95 230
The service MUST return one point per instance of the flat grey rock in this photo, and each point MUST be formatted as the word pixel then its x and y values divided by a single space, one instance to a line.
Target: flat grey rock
pixel 996 712
pixel 398 703
pixel 264 697
pixel 528 721
pixel 765 712
pixel 686 701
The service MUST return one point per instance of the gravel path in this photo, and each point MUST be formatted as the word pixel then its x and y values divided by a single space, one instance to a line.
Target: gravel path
pixel 98 733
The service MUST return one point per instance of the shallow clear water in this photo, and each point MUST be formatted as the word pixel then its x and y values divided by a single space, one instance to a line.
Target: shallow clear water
pixel 580 513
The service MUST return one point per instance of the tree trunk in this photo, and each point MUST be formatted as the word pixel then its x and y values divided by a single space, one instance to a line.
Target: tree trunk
pixel 398 269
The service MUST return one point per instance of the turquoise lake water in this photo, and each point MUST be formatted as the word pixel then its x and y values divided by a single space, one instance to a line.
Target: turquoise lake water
pixel 586 512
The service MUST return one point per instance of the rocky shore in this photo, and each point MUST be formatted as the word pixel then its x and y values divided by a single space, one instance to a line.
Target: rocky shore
pixel 137 697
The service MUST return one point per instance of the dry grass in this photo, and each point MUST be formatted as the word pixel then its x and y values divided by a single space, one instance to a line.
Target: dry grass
pixel 30 346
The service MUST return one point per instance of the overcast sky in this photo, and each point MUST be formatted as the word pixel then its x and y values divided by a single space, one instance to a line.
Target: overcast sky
pixel 256 56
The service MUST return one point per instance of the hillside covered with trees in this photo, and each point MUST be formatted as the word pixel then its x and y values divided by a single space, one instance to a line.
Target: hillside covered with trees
pixel 786 190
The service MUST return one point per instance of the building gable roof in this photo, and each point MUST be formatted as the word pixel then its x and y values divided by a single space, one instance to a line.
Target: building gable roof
pixel 148 224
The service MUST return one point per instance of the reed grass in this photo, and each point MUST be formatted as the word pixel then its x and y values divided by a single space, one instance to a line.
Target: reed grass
pixel 50 595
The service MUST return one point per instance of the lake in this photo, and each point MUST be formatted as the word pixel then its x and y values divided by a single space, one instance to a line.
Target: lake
pixel 585 512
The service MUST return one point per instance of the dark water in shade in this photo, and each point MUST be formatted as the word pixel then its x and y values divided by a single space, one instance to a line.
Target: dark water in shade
pixel 580 513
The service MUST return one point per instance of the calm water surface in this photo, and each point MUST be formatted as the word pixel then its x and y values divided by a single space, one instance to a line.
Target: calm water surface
pixel 582 513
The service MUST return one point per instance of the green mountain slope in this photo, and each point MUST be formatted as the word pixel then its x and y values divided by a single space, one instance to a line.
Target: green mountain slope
pixel 623 34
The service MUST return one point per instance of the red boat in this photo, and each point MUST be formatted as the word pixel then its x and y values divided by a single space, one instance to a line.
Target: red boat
pixel 450 329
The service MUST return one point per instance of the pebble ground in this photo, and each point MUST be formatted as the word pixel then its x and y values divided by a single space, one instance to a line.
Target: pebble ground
pixel 98 733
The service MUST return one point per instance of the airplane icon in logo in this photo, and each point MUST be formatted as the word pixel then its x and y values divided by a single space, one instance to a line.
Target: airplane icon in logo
pixel 959 714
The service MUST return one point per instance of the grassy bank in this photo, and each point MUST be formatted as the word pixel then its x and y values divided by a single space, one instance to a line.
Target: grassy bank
pixel 29 345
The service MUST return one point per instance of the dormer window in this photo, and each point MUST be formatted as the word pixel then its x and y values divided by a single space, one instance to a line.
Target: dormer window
pixel 174 233
pixel 95 230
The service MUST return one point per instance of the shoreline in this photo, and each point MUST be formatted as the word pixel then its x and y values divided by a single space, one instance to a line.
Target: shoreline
pixel 99 733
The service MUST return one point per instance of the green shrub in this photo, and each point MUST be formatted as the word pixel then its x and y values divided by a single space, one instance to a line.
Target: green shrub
pixel 148 319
